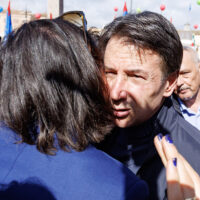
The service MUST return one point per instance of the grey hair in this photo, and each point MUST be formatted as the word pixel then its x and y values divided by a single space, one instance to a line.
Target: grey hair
pixel 194 53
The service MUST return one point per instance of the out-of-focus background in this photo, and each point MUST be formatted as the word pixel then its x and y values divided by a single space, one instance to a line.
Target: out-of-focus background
pixel 184 14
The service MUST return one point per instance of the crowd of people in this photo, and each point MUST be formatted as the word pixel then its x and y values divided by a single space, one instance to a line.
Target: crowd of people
pixel 113 116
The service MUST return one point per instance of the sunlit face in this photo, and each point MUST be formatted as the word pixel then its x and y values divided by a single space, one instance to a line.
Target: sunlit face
pixel 135 82
pixel 189 77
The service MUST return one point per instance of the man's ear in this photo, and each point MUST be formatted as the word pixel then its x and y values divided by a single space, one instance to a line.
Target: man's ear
pixel 199 66
pixel 170 84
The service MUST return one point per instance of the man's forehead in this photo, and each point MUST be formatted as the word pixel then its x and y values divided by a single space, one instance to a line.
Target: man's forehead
pixel 190 54
pixel 124 42
pixel 189 60
pixel 122 49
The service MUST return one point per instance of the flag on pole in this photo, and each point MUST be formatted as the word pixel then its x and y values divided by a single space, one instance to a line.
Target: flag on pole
pixel 193 39
pixel 8 27
pixel 125 11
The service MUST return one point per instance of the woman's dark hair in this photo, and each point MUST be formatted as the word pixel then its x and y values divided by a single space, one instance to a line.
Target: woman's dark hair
pixel 52 92
pixel 147 30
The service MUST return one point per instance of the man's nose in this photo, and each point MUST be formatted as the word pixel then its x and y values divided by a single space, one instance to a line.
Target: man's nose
pixel 179 81
pixel 118 89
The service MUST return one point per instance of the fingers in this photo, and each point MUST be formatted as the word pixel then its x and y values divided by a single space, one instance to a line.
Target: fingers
pixel 171 152
pixel 173 187
pixel 185 179
pixel 194 176
pixel 159 148
pixel 180 182
pixel 169 149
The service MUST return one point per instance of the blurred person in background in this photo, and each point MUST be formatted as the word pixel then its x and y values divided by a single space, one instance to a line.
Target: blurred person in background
pixel 187 101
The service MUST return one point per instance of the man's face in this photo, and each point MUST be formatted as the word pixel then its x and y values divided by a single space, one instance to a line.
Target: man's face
pixel 189 77
pixel 135 82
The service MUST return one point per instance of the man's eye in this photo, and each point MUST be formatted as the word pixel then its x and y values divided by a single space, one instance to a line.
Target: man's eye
pixel 185 73
pixel 109 72
pixel 136 76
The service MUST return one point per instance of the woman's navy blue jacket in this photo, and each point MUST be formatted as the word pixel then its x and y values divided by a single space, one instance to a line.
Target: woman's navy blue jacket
pixel 27 174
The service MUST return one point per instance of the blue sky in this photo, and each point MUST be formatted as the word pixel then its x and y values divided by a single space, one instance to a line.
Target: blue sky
pixel 101 12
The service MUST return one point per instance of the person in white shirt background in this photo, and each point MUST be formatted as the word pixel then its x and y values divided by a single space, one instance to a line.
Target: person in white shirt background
pixel 188 87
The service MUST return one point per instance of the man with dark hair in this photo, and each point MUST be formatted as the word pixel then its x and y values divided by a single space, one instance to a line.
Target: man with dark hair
pixel 187 90
pixel 142 54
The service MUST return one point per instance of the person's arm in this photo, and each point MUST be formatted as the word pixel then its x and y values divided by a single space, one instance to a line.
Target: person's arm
pixel 182 180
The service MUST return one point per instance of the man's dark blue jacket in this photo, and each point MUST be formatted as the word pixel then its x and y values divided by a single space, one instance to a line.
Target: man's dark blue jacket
pixel 27 174
pixel 134 146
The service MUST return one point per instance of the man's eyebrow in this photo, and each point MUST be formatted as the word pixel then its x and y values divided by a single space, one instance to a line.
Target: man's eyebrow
pixel 136 71
pixel 129 70
pixel 108 68
pixel 183 71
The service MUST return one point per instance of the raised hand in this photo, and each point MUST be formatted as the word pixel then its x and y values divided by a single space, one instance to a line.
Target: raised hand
pixel 183 182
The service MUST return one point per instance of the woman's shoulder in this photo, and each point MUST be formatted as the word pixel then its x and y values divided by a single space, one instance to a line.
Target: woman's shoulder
pixel 94 172
pixel 111 176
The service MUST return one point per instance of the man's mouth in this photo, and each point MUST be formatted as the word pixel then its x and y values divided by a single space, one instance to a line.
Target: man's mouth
pixel 121 113
pixel 183 90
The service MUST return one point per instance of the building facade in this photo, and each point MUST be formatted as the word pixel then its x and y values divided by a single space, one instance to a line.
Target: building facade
pixel 18 17
pixel 54 8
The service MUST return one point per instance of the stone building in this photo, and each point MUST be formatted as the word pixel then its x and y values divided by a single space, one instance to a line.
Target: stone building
pixel 190 37
pixel 54 8
pixel 18 17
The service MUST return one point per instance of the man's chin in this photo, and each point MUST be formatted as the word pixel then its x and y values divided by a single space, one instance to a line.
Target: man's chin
pixel 123 123
pixel 187 97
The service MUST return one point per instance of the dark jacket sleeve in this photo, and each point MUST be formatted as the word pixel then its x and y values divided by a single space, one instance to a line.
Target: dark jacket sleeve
pixel 175 104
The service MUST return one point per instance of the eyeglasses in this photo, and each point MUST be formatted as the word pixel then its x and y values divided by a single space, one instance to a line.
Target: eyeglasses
pixel 77 18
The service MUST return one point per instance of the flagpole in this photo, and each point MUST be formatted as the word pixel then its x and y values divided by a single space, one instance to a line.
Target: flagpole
pixel 26 14
pixel 125 11
pixel 8 27
pixel 189 11
pixel 131 3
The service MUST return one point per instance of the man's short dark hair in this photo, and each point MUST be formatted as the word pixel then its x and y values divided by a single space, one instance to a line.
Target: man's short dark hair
pixel 52 92
pixel 147 30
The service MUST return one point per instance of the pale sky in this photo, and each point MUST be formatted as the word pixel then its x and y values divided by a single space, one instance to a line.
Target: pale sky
pixel 101 12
